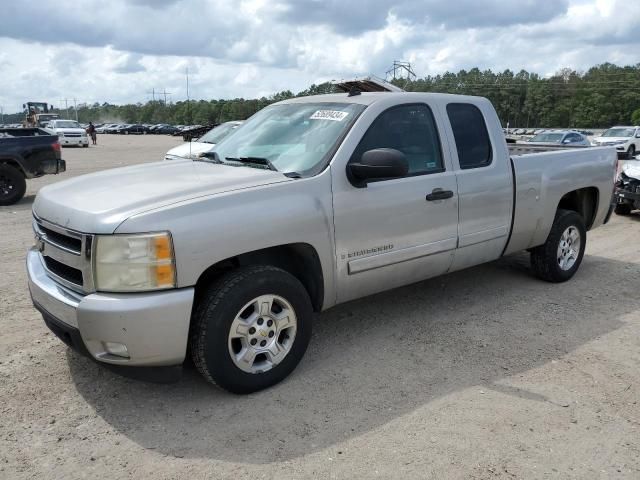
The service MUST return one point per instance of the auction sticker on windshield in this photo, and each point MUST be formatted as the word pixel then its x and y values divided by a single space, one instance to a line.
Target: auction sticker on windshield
pixel 335 115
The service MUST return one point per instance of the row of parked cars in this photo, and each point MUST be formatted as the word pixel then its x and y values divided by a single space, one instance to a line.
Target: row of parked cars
pixel 143 128
pixel 626 139
pixel 536 131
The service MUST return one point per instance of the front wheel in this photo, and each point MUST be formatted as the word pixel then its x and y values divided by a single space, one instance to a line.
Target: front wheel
pixel 251 328
pixel 559 258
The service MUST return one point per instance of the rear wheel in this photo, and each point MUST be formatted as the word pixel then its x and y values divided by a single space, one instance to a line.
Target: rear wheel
pixel 13 185
pixel 623 208
pixel 559 258
pixel 251 328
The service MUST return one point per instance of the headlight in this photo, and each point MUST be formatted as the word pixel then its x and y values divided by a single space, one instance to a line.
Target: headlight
pixel 134 263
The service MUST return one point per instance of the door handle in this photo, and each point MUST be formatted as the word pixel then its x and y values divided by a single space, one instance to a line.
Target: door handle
pixel 439 194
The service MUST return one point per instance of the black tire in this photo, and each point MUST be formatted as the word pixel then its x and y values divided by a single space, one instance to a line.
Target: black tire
pixel 215 312
pixel 631 153
pixel 13 185
pixel 85 146
pixel 544 259
pixel 623 208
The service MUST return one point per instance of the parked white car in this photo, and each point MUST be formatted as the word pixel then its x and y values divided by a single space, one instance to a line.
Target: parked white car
pixel 625 139
pixel 196 148
pixel 69 132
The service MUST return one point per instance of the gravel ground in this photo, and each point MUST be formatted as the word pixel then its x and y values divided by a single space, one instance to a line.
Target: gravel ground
pixel 485 373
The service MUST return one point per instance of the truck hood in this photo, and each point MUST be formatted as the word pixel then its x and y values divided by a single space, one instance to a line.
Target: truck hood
pixel 190 148
pixel 632 169
pixel 99 202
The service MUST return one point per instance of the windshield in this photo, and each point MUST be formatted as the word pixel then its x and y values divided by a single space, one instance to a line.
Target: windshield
pixel 293 137
pixel 548 138
pixel 619 132
pixel 66 124
pixel 215 135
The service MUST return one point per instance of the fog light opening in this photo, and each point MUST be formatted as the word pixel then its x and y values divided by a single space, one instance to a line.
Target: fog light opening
pixel 117 349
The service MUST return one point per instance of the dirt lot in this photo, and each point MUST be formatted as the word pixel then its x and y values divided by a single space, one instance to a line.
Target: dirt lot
pixel 486 373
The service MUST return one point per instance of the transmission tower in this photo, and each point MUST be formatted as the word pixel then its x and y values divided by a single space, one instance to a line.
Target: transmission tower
pixel 399 70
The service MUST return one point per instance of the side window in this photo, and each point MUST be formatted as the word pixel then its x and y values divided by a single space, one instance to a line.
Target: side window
pixel 574 138
pixel 410 129
pixel 471 136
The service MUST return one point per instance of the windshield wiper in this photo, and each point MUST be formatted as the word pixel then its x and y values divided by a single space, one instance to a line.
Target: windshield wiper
pixel 255 160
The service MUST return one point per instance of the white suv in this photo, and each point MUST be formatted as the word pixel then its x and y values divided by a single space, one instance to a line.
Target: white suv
pixel 625 139
pixel 69 132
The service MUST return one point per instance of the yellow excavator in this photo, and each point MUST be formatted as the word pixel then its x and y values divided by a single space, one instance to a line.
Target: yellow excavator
pixel 38 114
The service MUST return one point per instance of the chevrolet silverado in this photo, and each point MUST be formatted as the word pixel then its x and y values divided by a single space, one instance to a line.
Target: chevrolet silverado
pixel 312 202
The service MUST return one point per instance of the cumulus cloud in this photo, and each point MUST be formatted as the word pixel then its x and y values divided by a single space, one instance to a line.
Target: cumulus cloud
pixel 120 49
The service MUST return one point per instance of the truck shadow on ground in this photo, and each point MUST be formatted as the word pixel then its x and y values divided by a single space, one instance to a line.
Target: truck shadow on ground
pixel 374 360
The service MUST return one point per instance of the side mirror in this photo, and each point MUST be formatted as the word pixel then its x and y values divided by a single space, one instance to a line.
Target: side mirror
pixel 376 164
pixel 565 141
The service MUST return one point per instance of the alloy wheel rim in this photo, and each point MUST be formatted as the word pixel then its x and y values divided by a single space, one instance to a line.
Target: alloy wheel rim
pixel 262 334
pixel 6 185
pixel 569 248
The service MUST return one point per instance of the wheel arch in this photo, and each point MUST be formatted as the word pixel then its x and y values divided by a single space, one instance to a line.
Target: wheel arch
pixel 12 162
pixel 299 259
pixel 583 201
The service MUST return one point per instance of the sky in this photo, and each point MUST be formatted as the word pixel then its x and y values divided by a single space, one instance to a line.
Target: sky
pixel 118 51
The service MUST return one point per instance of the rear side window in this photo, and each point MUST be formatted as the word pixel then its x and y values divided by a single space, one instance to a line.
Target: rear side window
pixel 471 136
pixel 410 129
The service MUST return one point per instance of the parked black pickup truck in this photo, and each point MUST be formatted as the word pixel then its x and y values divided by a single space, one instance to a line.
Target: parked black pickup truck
pixel 26 153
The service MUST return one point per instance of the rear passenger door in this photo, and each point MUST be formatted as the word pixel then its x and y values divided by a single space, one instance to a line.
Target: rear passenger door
pixel 396 231
pixel 485 183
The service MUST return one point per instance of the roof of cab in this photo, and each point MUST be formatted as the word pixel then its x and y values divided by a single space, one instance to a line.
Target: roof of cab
pixel 368 98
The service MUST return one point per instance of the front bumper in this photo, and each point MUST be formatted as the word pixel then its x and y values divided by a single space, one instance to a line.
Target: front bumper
pixel 77 141
pixel 625 196
pixel 154 326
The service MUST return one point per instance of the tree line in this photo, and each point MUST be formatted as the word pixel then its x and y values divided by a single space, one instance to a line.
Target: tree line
pixel 604 95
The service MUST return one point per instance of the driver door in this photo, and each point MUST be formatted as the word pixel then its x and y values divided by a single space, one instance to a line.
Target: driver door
pixel 394 232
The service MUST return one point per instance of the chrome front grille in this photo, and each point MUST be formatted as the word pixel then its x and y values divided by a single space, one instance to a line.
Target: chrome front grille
pixel 66 255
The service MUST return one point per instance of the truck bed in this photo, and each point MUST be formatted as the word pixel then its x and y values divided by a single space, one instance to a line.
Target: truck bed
pixel 543 178
pixel 23 132
pixel 516 149
pixel 33 151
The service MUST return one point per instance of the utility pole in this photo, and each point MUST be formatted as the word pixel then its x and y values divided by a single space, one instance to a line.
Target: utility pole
pixel 188 102
pixel 1 114
pixel 75 107
pixel 187 84
pixel 165 93
pixel 153 94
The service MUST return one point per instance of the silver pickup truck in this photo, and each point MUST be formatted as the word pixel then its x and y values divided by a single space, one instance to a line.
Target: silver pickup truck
pixel 313 202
